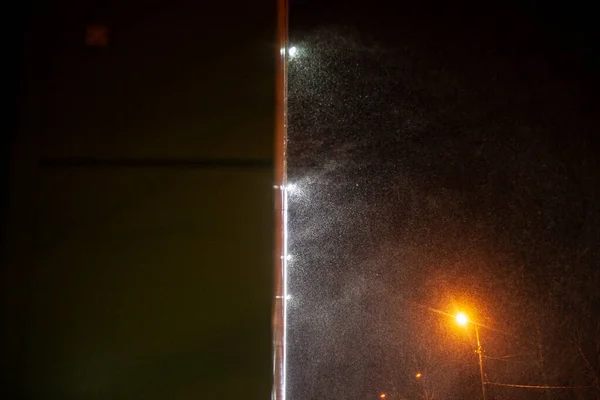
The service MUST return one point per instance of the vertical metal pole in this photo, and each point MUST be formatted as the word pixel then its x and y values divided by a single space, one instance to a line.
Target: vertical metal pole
pixel 280 274
pixel 542 362
pixel 425 393
pixel 479 352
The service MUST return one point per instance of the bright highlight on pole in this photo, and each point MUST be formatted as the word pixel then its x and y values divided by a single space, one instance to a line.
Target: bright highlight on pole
pixel 462 319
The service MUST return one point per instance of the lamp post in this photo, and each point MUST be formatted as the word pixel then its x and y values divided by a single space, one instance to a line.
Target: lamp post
pixel 420 377
pixel 463 320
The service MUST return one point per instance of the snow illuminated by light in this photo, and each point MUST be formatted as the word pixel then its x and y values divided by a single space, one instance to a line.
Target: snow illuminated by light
pixel 286 297
pixel 410 192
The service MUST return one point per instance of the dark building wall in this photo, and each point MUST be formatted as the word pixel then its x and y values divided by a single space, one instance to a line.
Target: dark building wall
pixel 138 258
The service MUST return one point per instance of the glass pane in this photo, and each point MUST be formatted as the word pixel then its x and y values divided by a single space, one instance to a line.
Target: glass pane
pixel 439 163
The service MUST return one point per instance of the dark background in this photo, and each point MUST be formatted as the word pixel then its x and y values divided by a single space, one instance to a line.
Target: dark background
pixel 445 157
pixel 137 200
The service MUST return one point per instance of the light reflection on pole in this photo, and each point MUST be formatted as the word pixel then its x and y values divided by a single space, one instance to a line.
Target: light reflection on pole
pixel 279 317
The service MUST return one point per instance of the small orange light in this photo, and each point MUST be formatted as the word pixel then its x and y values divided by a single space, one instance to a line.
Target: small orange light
pixel 97 36
pixel 382 396
pixel 418 375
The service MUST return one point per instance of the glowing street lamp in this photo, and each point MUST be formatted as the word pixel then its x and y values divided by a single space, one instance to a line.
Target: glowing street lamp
pixel 462 319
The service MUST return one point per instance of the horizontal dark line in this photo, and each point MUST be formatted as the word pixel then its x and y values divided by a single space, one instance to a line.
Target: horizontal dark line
pixel 153 163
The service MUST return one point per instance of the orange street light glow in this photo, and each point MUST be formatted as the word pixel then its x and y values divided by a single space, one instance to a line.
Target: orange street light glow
pixel 418 375
pixel 382 396
pixel 462 318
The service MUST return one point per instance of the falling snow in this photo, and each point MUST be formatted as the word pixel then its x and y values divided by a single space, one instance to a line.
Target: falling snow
pixel 433 170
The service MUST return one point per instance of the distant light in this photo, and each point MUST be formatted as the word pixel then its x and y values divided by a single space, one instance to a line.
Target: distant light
pixel 292 51
pixel 418 375
pixel 292 187
pixel 288 297
pixel 289 257
pixel 462 318
pixel 382 396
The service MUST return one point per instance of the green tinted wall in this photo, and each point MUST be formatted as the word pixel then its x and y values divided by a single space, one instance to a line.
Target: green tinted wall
pixel 139 261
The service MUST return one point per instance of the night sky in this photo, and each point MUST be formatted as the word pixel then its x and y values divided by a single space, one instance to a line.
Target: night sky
pixel 444 159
